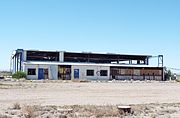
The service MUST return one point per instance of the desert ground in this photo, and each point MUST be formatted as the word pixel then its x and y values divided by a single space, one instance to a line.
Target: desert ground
pixel 89 99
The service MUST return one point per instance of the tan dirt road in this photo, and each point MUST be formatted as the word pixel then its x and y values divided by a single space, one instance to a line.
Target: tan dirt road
pixel 58 93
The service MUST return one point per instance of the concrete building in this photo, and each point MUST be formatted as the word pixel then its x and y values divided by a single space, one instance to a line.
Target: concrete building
pixel 91 66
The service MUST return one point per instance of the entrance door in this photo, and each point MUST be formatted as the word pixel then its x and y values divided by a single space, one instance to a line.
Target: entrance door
pixel 46 74
pixel 64 72
pixel 40 73
pixel 76 73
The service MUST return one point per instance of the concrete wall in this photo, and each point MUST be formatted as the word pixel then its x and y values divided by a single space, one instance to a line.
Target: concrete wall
pixel 25 55
pixel 83 70
pixel 52 71
pixel 61 56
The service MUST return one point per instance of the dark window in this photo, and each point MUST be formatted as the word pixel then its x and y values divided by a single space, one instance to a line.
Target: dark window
pixel 31 71
pixel 90 72
pixel 103 73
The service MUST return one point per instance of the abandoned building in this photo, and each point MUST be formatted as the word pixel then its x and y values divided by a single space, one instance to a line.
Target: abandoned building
pixel 62 65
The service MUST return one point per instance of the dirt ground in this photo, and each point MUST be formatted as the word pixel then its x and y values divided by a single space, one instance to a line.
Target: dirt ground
pixel 56 93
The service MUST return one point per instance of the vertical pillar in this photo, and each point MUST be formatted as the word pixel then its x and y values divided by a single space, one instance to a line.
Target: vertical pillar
pixel 61 56
pixel 163 74
pixel 130 62
pixel 160 61
pixel 146 61
pixel 20 63
pixel 24 55
pixel 17 61
pixel 14 63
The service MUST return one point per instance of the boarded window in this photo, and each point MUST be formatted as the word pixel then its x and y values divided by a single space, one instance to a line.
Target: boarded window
pixel 103 73
pixel 90 73
pixel 31 71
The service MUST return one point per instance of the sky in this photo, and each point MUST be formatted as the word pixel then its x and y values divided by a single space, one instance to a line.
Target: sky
pixel 150 27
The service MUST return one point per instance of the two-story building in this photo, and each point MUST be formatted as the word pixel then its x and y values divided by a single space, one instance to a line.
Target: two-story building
pixel 64 65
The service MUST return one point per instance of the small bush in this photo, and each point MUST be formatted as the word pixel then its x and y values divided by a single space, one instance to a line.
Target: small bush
pixel 178 80
pixel 29 111
pixel 19 74
pixel 16 106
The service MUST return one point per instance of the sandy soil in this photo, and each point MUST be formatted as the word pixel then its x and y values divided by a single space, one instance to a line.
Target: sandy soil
pixel 59 93
pixel 56 93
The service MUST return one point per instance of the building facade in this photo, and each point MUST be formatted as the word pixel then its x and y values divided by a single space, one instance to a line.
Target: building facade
pixel 61 65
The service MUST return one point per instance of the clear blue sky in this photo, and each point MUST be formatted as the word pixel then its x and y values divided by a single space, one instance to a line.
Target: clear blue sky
pixel 117 26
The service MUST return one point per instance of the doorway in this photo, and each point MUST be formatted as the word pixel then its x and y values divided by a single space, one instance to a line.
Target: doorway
pixel 43 73
pixel 64 72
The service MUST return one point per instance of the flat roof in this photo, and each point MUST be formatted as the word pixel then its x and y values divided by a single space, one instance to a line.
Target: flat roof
pixel 96 53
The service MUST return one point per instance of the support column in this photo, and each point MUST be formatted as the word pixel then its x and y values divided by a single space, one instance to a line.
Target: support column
pixel 20 63
pixel 61 56
pixel 14 63
pixel 17 61
pixel 130 62
pixel 146 61
pixel 160 61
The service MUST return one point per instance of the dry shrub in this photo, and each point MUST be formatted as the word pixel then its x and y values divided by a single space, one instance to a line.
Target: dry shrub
pixel 29 111
pixel 16 106
pixel 106 111
pixel 96 111
pixel 178 80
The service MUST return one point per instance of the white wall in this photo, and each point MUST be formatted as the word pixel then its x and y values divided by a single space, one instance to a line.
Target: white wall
pixel 24 55
pixel 52 71
pixel 33 67
pixel 61 56
pixel 83 69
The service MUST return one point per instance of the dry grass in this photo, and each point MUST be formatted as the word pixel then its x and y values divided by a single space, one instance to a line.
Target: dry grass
pixel 95 111
pixel 178 79
pixel 29 111
pixel 16 106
